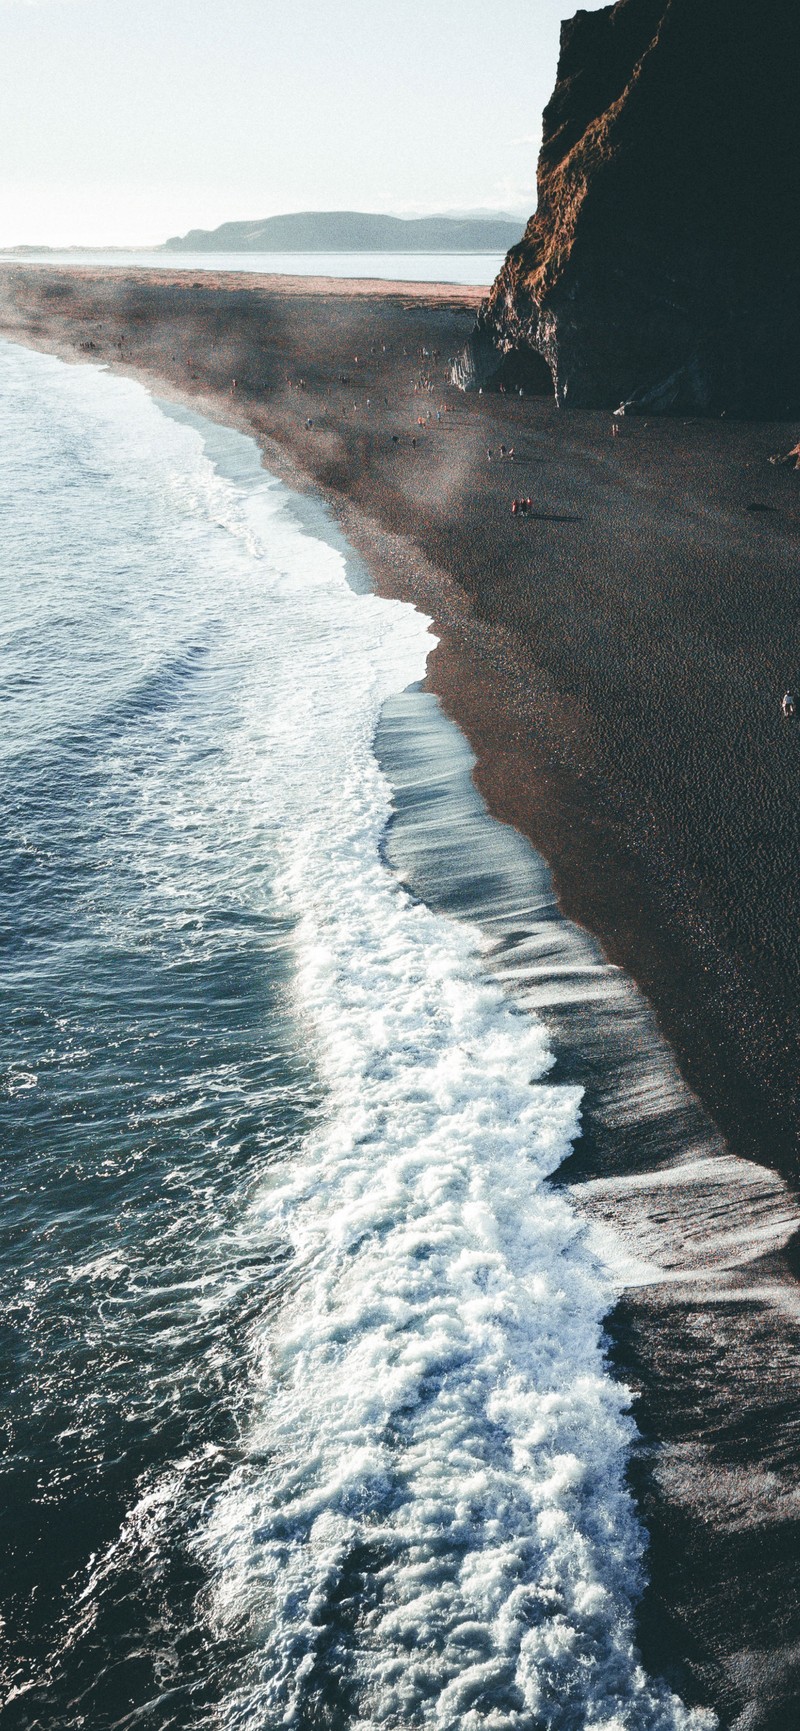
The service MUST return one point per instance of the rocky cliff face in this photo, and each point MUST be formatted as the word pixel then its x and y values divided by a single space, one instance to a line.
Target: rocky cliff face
pixel 663 261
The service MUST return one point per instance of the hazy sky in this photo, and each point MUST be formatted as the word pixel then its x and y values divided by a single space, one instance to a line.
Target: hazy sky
pixel 129 120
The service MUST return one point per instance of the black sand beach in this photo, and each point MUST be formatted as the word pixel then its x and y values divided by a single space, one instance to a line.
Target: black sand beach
pixel 616 658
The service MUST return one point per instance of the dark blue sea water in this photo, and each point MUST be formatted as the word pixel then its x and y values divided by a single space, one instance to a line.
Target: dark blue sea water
pixel 306 1417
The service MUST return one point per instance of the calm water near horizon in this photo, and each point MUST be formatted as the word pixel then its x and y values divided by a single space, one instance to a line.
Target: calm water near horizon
pixel 307 1419
pixel 477 269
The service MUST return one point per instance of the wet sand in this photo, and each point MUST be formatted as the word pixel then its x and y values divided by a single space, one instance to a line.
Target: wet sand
pixel 617 661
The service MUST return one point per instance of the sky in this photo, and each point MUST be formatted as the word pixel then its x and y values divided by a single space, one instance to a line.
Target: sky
pixel 125 121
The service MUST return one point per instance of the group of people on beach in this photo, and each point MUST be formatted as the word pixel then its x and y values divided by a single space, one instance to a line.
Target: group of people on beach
pixel 521 507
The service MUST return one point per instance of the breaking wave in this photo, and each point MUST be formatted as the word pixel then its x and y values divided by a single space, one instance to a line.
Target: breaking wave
pixel 423 1519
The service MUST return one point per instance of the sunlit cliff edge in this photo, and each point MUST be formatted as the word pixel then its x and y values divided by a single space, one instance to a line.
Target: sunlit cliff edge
pixel 662 264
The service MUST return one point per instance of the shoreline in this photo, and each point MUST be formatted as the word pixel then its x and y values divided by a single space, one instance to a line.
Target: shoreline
pixel 663 1331
pixel 453 855
pixel 568 718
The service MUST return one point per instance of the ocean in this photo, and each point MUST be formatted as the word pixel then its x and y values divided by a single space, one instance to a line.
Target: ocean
pixel 307 1417
pixel 470 268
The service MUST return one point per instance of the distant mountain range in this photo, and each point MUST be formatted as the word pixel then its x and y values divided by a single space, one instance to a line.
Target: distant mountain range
pixel 353 231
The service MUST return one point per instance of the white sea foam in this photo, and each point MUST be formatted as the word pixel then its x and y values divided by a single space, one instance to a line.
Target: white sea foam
pixel 429 1524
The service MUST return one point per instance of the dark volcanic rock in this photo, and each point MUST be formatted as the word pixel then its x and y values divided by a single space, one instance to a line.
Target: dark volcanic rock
pixel 663 262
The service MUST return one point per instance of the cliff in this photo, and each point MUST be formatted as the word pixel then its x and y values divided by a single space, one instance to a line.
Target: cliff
pixel 352 231
pixel 663 261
